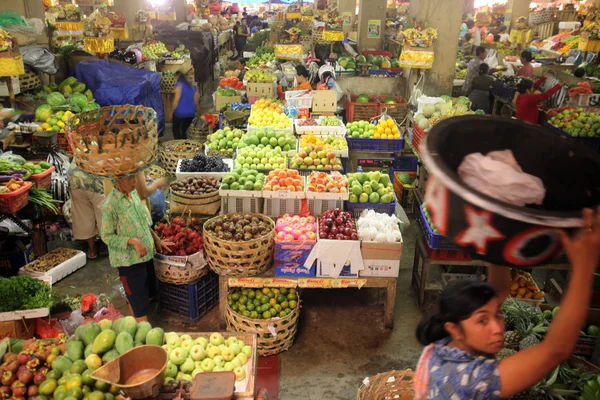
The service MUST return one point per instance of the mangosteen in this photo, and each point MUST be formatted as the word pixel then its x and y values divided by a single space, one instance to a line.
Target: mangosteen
pixel 247 236
pixel 23 358
pixel 238 236
pixel 247 217
pixel 4 392
pixel 235 218
pixel 218 222
pixel 255 220
pixel 227 235
pixel 13 366
pixel 18 389
pixel 247 229
pixel 24 375
pixel 8 378
pixel 33 391
pixel 254 229
pixel 226 226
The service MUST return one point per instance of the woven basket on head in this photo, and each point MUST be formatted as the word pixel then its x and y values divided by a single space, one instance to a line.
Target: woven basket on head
pixel 199 130
pixel 29 80
pixel 230 258
pixel 114 141
pixel 393 385
pixel 167 83
pixel 173 151
pixel 267 344
pixel 204 204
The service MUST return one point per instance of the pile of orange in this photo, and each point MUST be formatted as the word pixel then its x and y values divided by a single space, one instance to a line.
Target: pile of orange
pixel 387 129
pixel 264 103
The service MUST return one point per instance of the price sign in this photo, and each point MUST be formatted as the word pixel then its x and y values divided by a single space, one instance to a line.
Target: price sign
pixel 315 283
pixel 376 162
pixel 246 282
pixel 283 194
pixel 346 283
pixel 279 283
pixel 588 100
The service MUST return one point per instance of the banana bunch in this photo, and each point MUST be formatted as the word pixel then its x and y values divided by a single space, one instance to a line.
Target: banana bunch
pixel 591 390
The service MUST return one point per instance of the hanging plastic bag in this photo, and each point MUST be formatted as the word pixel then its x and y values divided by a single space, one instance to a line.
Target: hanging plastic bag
pixel 40 59
pixel 492 58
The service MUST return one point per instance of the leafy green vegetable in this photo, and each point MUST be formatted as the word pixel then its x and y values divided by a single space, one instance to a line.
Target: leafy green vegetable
pixel 25 293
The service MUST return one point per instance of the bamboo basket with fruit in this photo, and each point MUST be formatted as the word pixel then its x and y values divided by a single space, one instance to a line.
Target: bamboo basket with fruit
pixel 276 329
pixel 172 151
pixel 397 385
pixel 199 195
pixel 523 287
pixel 239 244
pixel 114 141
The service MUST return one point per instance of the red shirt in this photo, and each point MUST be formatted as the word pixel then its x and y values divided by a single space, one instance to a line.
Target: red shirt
pixel 526 71
pixel 527 104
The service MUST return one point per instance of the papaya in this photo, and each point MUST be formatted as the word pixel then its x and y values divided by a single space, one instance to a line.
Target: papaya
pixel 129 325
pixel 110 355
pixel 89 332
pixel 62 364
pixel 67 90
pixel 104 341
pixel 79 88
pixel 124 342
pixel 142 331
pixel 75 349
pixel 90 96
pixel 105 324
pixel 155 336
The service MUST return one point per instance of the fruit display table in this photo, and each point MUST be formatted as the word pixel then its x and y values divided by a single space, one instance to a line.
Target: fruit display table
pixel 419 270
pixel 267 279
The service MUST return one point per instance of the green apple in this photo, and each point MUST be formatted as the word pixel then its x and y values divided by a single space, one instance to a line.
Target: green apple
pixel 236 349
pixel 172 339
pixel 171 370
pixel 187 344
pixel 198 353
pixel 237 362
pixel 185 336
pixel 241 343
pixel 213 351
pixel 196 372
pixel 228 353
pixel 186 377
pixel 179 376
pixel 208 365
pixel 187 366
pixel 247 350
pixel 219 361
pixel 218 369
pixel 178 356
pixel 243 358
pixel 231 340
pixel 202 341
pixel 229 366
pixel 240 374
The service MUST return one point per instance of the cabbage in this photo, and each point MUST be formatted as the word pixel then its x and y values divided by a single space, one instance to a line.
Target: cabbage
pixel 428 110
pixel 460 109
pixel 446 98
pixel 441 107
pixel 56 99
pixel 43 113
pixel 463 100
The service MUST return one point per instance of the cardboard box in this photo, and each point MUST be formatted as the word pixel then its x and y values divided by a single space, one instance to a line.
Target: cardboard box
pixel 21 329
pixel 324 101
pixel 221 100
pixel 15 84
pixel 261 89
pixel 290 258
pixel 381 259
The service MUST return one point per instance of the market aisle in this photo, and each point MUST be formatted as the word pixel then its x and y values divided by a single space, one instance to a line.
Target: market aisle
pixel 340 339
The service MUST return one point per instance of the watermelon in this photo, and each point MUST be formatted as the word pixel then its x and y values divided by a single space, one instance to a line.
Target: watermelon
pixel 389 100
pixel 378 61
pixel 43 113
pixel 395 64
pixel 363 98
pixel 405 178
pixel 361 60
pixel 56 99
pixel 78 99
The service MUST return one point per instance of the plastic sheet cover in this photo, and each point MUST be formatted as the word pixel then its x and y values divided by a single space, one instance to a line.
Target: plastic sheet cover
pixel 116 84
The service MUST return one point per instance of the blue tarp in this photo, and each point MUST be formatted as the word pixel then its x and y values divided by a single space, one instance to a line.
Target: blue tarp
pixel 116 84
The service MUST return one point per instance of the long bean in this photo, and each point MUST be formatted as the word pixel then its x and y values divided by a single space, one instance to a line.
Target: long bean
pixel 42 198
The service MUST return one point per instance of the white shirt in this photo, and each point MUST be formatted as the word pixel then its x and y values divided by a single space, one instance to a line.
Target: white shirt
pixel 477 39
pixel 504 37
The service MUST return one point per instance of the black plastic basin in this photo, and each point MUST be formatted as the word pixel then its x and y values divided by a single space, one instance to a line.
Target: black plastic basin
pixel 496 231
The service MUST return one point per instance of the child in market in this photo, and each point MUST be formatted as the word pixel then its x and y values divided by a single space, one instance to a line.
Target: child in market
pixel 528 101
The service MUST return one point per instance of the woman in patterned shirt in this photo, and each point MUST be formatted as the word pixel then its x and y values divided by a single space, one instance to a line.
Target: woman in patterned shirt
pixel 467 330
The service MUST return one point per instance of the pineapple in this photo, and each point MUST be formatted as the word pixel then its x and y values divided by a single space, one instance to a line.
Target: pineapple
pixel 505 353
pixel 528 341
pixel 511 337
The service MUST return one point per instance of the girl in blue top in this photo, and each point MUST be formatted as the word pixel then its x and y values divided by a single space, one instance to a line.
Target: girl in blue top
pixel 185 101
pixel 467 330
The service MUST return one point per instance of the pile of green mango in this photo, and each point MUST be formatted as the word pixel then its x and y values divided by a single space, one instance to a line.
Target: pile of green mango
pixel 93 345
pixel 370 187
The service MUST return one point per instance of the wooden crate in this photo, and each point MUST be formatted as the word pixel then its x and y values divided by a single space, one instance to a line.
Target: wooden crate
pixel 167 99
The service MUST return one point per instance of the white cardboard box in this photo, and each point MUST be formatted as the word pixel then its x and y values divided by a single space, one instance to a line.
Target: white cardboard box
pixel 60 271
pixel 336 258
pixel 381 259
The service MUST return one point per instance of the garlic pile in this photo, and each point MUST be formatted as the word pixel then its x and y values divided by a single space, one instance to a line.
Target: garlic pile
pixel 377 227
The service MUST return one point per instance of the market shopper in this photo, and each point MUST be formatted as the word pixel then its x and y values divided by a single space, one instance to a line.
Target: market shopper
pixel 467 45
pixel 503 34
pixel 467 330
pixel 303 78
pixel 185 101
pixel 241 37
pixel 473 67
pixel 87 197
pixel 526 70
pixel 479 90
pixel 527 102
pixel 127 231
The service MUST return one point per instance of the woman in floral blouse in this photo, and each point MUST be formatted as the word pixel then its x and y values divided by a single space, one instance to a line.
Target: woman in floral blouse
pixel 127 231
pixel 467 330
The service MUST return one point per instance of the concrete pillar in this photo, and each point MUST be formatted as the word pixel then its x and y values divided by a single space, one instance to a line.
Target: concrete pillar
pixel 446 16
pixel 370 10
pixel 347 6
pixel 517 9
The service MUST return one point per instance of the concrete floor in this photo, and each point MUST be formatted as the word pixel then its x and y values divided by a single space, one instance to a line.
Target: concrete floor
pixel 340 339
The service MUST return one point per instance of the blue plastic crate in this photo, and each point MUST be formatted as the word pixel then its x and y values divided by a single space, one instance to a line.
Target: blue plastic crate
pixel 357 208
pixel 25 118
pixel 375 145
pixel 405 163
pixel 193 300
pixel 435 241
pixel 591 142
pixel 502 90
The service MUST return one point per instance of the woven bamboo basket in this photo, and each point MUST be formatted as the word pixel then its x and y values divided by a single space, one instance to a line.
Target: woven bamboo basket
pixel 114 141
pixel 266 344
pixel 205 204
pixel 155 172
pixel 306 41
pixel 393 385
pixel 197 132
pixel 29 80
pixel 173 151
pixel 167 83
pixel 24 39
pixel 179 270
pixel 242 259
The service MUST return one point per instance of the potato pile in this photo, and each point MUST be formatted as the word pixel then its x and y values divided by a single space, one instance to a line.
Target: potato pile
pixel 523 287
pixel 196 186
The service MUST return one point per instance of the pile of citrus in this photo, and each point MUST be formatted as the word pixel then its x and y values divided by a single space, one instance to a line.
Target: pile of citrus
pixel 263 304
pixel 267 112
pixel 387 129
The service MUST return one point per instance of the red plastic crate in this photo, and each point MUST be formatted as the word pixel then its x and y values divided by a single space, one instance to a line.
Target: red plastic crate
pixel 418 138
pixel 376 53
pixel 63 142
pixel 397 111
pixel 361 111
pixel 449 255
pixel 13 201
pixel 43 180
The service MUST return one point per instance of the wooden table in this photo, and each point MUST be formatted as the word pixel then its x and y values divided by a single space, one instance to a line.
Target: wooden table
pixel 419 279
pixel 268 279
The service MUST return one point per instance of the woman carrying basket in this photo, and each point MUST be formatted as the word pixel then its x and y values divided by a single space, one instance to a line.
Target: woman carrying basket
pixel 466 331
